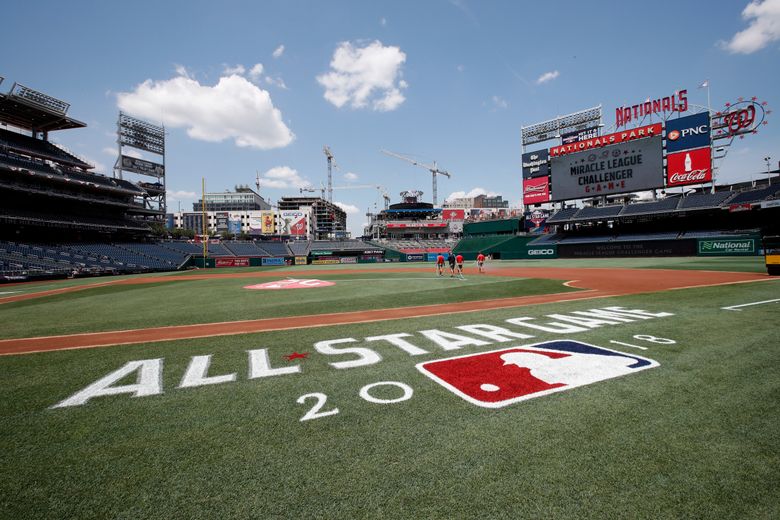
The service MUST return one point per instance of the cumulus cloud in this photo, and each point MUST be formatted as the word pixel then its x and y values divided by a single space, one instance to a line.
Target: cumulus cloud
pixel 349 209
pixel 547 76
pixel 180 195
pixel 351 176
pixel 363 77
pixel 500 102
pixel 278 51
pixel 283 177
pixel 237 69
pixel 256 71
pixel 764 27
pixel 471 194
pixel 234 109
pixel 277 82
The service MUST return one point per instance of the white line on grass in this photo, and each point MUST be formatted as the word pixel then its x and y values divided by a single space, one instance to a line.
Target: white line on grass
pixel 736 307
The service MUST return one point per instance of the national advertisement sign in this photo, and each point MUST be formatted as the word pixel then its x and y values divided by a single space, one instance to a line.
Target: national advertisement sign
pixel 728 246
pixel 688 132
pixel 536 191
pixel 689 167
pixel 629 166
pixel 535 164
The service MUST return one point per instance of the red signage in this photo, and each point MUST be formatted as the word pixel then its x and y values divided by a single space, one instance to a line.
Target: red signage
pixel 735 208
pixel 689 167
pixel 417 225
pixel 536 190
pixel 677 102
pixel 453 214
pixel 605 140
pixel 231 262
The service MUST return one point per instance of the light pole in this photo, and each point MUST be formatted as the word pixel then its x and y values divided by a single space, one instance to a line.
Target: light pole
pixel 768 176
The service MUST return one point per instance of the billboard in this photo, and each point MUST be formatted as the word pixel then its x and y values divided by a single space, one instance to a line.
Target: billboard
pixel 689 167
pixel 234 224
pixel 535 164
pixel 607 140
pixel 688 132
pixel 292 222
pixel 267 220
pixel 453 214
pixel 580 135
pixel 629 166
pixel 133 164
pixel 536 191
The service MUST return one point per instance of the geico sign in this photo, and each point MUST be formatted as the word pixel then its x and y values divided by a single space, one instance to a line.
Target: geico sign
pixel 539 252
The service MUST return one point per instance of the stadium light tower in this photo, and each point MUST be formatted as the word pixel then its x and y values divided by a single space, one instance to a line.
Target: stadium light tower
pixel 430 167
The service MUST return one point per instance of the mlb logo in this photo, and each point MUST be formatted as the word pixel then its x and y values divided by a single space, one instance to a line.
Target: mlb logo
pixel 503 377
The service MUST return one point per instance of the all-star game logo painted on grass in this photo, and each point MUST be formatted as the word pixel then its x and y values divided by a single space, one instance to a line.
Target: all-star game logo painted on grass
pixel 503 377
pixel 291 283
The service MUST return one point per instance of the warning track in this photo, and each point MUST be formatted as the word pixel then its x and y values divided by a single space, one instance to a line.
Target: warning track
pixel 595 282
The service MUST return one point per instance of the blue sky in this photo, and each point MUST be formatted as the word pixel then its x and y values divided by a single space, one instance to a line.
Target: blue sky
pixel 247 87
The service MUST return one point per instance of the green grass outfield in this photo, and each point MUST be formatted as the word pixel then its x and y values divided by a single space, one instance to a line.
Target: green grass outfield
pixel 695 437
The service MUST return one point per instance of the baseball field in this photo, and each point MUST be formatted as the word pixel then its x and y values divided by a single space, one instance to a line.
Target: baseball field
pixel 636 388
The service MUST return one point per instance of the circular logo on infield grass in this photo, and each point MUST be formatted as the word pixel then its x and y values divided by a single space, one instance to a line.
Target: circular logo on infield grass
pixel 291 283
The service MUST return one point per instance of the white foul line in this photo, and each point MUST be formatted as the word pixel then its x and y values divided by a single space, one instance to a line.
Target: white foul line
pixel 736 307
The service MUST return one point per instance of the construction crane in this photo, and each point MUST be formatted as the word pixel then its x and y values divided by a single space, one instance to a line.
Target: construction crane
pixel 430 167
pixel 329 155
pixel 321 189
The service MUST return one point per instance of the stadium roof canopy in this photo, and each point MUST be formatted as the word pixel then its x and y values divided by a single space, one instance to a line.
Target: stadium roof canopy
pixel 36 114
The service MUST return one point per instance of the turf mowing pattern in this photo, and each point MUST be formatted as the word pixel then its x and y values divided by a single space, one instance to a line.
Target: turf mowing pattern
pixel 695 437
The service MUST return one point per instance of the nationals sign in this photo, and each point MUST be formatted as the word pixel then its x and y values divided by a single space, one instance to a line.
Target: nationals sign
pixel 536 190
pixel 689 167
pixel 677 102
pixel 606 140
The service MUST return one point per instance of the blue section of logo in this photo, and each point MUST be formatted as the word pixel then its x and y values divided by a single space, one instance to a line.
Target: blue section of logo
pixel 582 348
pixel 272 261
pixel 688 132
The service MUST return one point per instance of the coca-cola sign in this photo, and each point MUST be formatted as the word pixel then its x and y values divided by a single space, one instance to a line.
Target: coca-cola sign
pixel 689 167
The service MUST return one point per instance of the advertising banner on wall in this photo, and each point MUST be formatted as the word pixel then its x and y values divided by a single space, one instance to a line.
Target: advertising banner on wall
pixel 267 220
pixel 607 140
pixel 234 224
pixel 535 164
pixel 629 166
pixel 292 222
pixel 688 132
pixel 536 190
pixel 689 167
pixel 255 225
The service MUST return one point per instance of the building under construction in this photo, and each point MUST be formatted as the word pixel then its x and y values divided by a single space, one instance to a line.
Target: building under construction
pixel 328 220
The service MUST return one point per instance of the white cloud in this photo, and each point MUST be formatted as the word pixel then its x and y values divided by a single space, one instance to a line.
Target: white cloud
pixel 110 151
pixel 500 102
pixel 283 177
pixel 234 108
pixel 180 195
pixel 383 21
pixel 471 194
pixel 256 71
pixel 278 51
pixel 277 82
pixel 764 28
pixel 181 70
pixel 351 176
pixel 365 76
pixel 238 69
pixel 547 76
pixel 349 209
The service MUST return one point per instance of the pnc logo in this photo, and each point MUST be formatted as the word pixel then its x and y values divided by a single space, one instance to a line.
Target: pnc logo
pixel 673 135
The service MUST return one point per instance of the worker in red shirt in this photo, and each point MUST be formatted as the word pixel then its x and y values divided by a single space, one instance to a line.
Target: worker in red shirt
pixel 481 262
pixel 440 264
pixel 459 262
